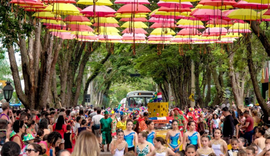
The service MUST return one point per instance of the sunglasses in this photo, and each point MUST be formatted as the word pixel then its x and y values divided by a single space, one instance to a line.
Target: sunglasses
pixel 29 150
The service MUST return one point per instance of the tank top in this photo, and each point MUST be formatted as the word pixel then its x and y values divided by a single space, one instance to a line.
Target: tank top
pixel 162 153
pixel 119 152
pixel 217 149
pixel 3 114
pixel 142 152
pixel 174 139
pixel 129 139
pixel 193 138
pixel 22 144
pixel 67 140
pixel 150 137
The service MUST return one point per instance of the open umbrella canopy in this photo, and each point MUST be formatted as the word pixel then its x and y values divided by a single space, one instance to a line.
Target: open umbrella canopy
pixel 100 11
pixel 244 14
pixel 136 31
pixel 59 1
pixel 105 25
pixel 26 2
pixel 246 5
pixel 131 2
pixel 163 25
pixel 80 18
pixel 63 9
pixel 99 2
pixel 162 31
pixel 140 19
pixel 105 20
pixel 188 32
pixel 217 2
pixel 225 7
pixel 107 30
pixel 206 14
pixel 75 27
pixel 161 20
pixel 215 32
pixel 134 25
pixel 46 15
pixel 133 8
pixel 176 9
pixel 129 15
pixel 175 4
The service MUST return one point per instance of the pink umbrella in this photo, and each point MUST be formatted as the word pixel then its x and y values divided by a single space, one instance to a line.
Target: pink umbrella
pixel 191 26
pixel 206 14
pixel 127 36
pixel 131 2
pixel 247 5
pixel 64 35
pixel 188 32
pixel 140 19
pixel 225 14
pixel 109 37
pixel 76 19
pixel 160 38
pixel 86 37
pixel 75 27
pixel 239 31
pixel 166 16
pixel 133 8
pixel 161 20
pixel 100 10
pixel 58 27
pixel 135 30
pixel 215 32
pixel 175 4
pixel 163 25
pixel 174 9
pixel 217 2
pixel 182 40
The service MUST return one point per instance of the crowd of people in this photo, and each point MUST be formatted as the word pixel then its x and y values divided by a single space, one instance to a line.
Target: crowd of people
pixel 86 131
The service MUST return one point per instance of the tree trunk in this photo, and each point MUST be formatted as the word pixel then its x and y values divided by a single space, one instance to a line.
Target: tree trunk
pixel 254 80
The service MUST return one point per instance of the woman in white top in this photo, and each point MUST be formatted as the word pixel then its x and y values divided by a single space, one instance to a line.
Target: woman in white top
pixel 214 123
pixel 218 145
pixel 160 149
pixel 119 146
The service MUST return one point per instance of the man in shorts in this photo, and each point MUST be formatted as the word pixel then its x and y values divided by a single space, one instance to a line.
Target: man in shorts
pixel 96 124
pixel 105 129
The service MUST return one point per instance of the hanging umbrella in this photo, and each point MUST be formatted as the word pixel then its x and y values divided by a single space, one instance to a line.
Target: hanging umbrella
pixel 46 15
pixel 206 14
pixel 176 9
pixel 244 14
pixel 162 31
pixel 181 1
pixel 199 6
pixel 27 2
pixel 175 4
pixel 99 2
pixel 219 23
pixel 134 25
pixel 105 20
pixel 246 5
pixel 217 3
pixel 63 9
pixel 107 30
pixel 128 15
pixel 133 8
pixel 189 32
pixel 52 22
pixel 136 31
pixel 105 25
pixel 100 11
pixel 161 20
pixel 75 27
pixel 264 17
pixel 141 19
pixel 163 25
pixel 131 2
pixel 58 1
pixel 184 23
pixel 214 32
pixel 80 18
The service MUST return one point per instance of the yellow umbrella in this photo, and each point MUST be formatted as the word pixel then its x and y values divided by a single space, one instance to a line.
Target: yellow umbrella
pixel 134 25
pixel 200 6
pixel 63 9
pixel 162 31
pixel 56 30
pixel 218 25
pixel 244 14
pixel 263 16
pixel 128 15
pixel 105 20
pixel 47 15
pixel 189 22
pixel 240 26
pixel 79 23
pixel 108 30
pixel 158 42
pixel 187 36
pixel 181 0
pixel 109 33
pixel 153 12
pixel 258 1
pixel 99 2
pixel 233 35
pixel 55 22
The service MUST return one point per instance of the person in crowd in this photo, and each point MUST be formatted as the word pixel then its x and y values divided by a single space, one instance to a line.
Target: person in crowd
pixel 181 120
pixel 10 149
pixel 190 150
pixel 43 124
pixel 151 131
pixel 86 145
pixel 228 125
pixel 60 126
pixel 219 145
pixel 143 147
pixel 191 136
pixel 142 124
pixel 205 150
pixel 248 127
pixel 130 136
pixel 19 128
pixel 256 148
pixel 250 151
pixel 31 127
pixel 77 124
pixel 105 128
pixel 34 150
pixel 96 124
pixel 241 152
pixel 174 136
pixel 54 140
pixel 160 148
pixel 68 139
pixel 234 150
pixel 63 153
pixel 241 143
pixel 260 140
pixel 119 146
pixel 7 113
pixel 82 127
pixel 114 124
pixel 256 118
pixel 122 123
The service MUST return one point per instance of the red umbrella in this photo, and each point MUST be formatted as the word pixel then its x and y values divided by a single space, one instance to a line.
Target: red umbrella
pixel 131 2
pixel 175 9
pixel 27 2
pixel 188 32
pixel 191 26
pixel 140 19
pixel 136 31
pixel 71 18
pixel 225 14
pixel 217 2
pixel 100 11
pixel 105 25
pixel 219 22
pixel 59 1
pixel 58 27
pixel 133 8
pixel 161 20
pixel 75 27
pixel 206 14
pixel 246 5
pixel 163 25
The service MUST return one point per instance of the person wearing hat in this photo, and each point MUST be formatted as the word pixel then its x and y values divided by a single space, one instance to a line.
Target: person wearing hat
pixel 105 129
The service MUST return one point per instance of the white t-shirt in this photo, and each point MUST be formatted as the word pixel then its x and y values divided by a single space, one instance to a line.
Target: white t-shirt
pixel 75 128
pixel 96 119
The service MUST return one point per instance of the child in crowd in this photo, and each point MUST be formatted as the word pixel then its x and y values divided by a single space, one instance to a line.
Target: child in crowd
pixel 179 153
pixel 234 150
pixel 190 150
pixel 241 152
pixel 68 138
pixel 219 145
pixel 205 150
pixel 260 141
pixel 250 151
pixel 241 143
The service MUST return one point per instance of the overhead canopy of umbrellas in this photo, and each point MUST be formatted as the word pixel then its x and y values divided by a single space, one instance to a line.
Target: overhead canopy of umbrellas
pixel 174 22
